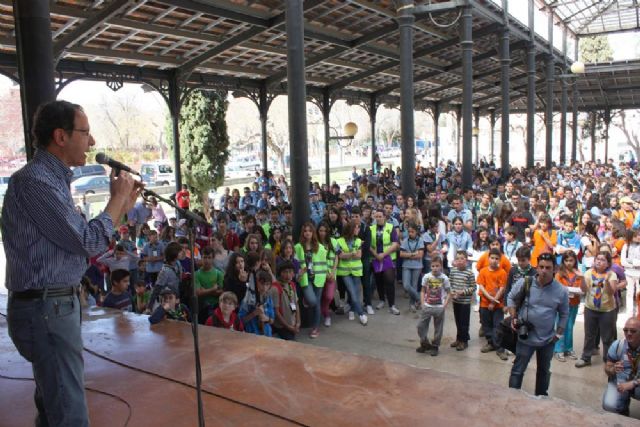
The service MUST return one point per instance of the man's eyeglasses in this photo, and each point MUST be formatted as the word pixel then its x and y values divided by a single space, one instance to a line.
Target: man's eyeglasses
pixel 86 132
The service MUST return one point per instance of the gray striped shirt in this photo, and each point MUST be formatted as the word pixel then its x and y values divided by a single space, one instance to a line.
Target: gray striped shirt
pixel 46 241
pixel 462 280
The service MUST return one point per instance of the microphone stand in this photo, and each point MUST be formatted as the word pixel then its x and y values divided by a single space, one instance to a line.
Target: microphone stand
pixel 192 219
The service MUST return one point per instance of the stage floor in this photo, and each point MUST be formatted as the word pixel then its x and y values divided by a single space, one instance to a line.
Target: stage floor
pixel 143 375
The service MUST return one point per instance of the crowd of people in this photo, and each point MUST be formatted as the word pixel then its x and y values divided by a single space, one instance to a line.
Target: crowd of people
pixel 534 249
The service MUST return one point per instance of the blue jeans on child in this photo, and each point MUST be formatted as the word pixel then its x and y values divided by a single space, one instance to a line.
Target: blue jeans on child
pixel 566 343
pixel 46 332
pixel 410 278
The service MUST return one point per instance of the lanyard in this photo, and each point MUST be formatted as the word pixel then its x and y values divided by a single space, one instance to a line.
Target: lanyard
pixel 412 250
pixel 512 251
pixel 634 361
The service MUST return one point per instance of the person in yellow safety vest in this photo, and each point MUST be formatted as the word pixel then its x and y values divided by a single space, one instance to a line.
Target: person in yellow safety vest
pixel 384 244
pixel 313 271
pixel 330 244
pixel 349 269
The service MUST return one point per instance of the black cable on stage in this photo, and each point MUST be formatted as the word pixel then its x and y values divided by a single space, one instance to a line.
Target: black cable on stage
pixel 129 408
pixel 183 383
pixel 186 384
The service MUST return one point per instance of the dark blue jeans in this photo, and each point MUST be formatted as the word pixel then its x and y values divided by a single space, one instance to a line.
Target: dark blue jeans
pixel 524 353
pixel 46 332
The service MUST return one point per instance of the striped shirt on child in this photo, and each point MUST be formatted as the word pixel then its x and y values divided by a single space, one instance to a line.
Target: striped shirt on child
pixel 462 280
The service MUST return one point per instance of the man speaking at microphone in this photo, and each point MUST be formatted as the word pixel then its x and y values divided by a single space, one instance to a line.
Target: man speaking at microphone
pixel 47 244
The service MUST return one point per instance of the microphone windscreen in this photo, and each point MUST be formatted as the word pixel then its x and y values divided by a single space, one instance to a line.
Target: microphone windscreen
pixel 102 158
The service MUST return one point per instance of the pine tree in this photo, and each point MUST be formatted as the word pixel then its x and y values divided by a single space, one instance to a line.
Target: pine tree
pixel 204 143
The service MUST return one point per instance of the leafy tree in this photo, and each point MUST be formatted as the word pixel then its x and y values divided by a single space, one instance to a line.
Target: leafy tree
pixel 593 50
pixel 204 143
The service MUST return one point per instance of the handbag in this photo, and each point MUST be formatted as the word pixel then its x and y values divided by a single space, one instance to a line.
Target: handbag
pixel 506 337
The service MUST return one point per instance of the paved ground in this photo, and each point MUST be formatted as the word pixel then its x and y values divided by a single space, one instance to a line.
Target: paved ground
pixel 395 338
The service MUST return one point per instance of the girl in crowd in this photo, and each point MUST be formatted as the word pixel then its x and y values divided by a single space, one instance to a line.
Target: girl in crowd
pixel 600 286
pixel 313 259
pixel 236 276
pixel 349 270
pixel 458 239
pixel 590 244
pixel 252 244
pixel 328 292
pixel 275 240
pixel 544 239
pixel 287 253
pixel 481 243
pixel 333 220
pixel 412 252
pixel 569 275
pixel 167 235
pixel 143 236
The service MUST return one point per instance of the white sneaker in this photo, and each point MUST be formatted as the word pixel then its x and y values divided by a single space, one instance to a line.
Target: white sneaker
pixel 363 319
pixel 352 315
pixel 394 310
pixel 370 310
pixel 327 321
pixel 380 305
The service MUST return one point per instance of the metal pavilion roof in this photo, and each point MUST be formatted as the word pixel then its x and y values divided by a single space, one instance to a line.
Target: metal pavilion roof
pixel 596 17
pixel 351 47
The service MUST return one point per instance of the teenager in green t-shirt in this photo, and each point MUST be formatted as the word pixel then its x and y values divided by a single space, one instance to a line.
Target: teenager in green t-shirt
pixel 209 283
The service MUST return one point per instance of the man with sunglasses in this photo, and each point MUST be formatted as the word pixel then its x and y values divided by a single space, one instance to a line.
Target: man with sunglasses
pixel 47 244
pixel 623 359
pixel 546 300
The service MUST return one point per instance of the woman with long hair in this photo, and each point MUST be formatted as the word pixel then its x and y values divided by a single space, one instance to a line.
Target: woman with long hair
pixel 313 259
pixel 328 292
pixel 236 276
pixel 349 270
pixel 544 239
pixel 589 243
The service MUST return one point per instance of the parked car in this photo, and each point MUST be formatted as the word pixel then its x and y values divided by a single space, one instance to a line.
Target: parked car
pixel 4 183
pixel 90 185
pixel 87 170
pixel 158 173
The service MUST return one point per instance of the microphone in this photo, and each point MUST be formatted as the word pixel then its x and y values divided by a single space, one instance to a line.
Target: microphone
pixel 103 159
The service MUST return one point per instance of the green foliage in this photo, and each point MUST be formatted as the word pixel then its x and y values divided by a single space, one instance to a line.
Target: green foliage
pixel 204 143
pixel 595 49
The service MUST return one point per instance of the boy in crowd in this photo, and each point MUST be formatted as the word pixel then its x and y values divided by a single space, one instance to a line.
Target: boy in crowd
pixel 256 309
pixel 209 283
pixel 435 297
pixel 119 297
pixel 130 247
pixel 170 275
pixel 511 244
pixel 568 239
pixel 170 308
pixel 141 297
pixel 492 281
pixel 225 316
pixel 463 286
pixel 522 269
pixel 152 253
pixel 285 301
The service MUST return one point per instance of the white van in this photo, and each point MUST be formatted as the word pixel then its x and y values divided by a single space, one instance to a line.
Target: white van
pixel 158 173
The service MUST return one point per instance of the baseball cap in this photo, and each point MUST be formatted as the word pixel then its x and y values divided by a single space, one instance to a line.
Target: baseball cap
pixel 167 290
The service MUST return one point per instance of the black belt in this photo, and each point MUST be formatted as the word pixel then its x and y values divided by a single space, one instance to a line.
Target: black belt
pixel 50 293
